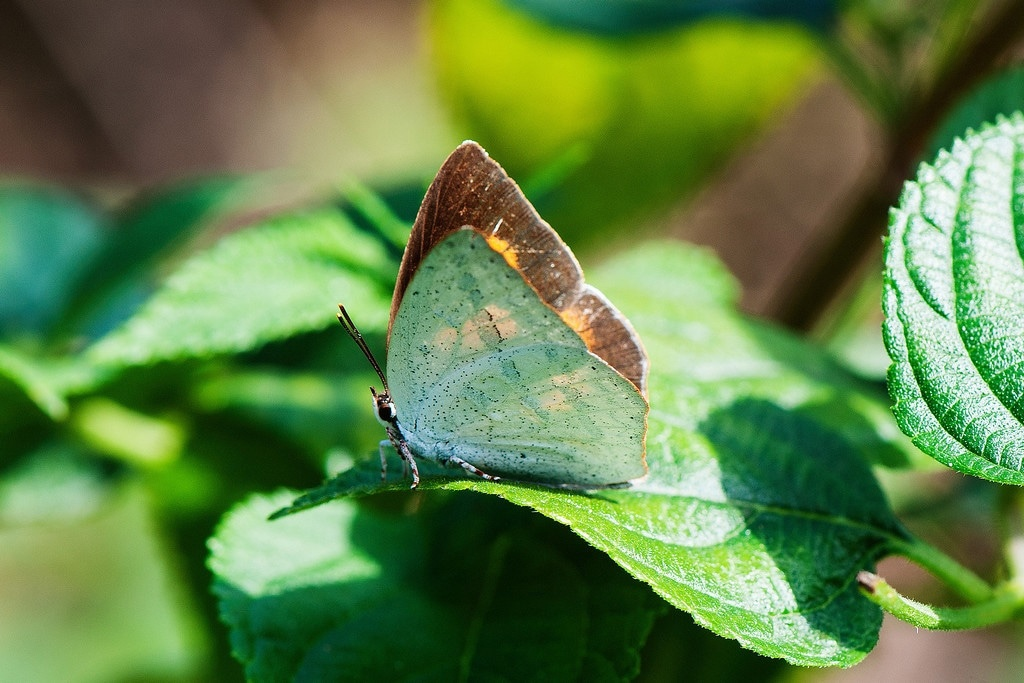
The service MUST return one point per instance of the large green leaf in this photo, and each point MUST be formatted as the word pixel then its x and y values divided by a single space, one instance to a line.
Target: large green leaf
pixel 464 590
pixel 954 305
pixel 760 508
pixel 265 283
pixel 123 271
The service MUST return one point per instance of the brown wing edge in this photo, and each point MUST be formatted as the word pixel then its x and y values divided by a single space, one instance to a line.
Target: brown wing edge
pixel 608 335
pixel 471 189
pixel 445 208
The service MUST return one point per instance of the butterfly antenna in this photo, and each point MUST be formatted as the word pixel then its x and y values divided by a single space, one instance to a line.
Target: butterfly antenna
pixel 353 332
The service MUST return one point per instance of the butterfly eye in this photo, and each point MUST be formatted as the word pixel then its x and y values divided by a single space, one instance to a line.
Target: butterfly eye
pixel 387 412
pixel 385 407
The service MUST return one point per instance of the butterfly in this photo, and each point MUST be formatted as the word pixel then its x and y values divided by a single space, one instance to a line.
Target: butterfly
pixel 500 359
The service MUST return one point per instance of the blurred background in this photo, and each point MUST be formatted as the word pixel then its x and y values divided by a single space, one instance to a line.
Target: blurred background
pixel 761 129
pixel 125 94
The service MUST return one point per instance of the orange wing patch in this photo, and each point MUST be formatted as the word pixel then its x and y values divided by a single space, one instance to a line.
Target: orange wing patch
pixel 444 340
pixel 554 401
pixel 503 247
pixel 488 327
pixel 579 322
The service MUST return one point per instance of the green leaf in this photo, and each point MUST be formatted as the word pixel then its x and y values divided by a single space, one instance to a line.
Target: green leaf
pixel 47 381
pixel 321 410
pixel 143 441
pixel 56 482
pixel 46 240
pixel 25 372
pixel 466 589
pixel 266 283
pixel 155 220
pixel 954 305
pixel 617 17
pixel 141 233
pixel 759 509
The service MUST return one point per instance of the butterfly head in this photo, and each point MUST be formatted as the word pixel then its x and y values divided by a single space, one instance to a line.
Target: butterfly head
pixel 384 407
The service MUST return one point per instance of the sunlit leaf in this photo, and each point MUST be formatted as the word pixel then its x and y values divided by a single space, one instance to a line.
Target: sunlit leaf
pixel 955 305
pixel 760 507
pixel 123 271
pixel 265 283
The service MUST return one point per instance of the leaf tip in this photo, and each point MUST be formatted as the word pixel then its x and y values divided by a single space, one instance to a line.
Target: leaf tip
pixel 278 514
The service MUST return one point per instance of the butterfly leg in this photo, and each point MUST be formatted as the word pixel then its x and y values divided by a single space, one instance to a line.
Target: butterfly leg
pixel 383 459
pixel 403 451
pixel 456 460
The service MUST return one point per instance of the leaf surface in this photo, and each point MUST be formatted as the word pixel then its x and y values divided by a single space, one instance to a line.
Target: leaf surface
pixel 266 283
pixel 954 305
pixel 125 268
pixel 760 507
pixel 467 589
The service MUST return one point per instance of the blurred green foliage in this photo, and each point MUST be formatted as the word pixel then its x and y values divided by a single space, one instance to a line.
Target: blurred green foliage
pixel 118 462
pixel 645 116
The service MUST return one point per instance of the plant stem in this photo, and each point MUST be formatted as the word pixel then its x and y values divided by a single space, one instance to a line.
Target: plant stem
pixel 809 293
pixel 966 583
pixel 1011 531
pixel 1001 606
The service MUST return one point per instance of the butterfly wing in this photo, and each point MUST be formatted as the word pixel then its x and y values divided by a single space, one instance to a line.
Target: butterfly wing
pixel 471 189
pixel 482 369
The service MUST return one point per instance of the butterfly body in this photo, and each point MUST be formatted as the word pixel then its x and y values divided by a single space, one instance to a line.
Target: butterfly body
pixel 500 359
